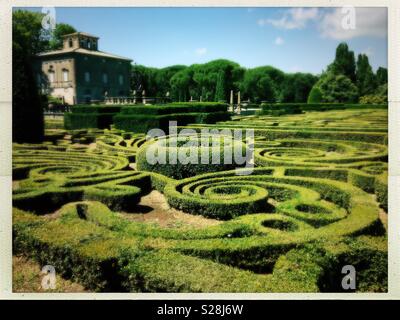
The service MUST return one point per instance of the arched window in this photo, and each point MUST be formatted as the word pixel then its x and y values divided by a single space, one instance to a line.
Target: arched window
pixel 87 76
pixel 105 77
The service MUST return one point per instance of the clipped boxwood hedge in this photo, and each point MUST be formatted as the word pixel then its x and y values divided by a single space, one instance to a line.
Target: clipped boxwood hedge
pixel 82 117
pixel 144 118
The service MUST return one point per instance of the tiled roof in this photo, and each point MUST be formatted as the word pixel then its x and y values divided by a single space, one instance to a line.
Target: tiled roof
pixel 82 51
pixel 79 33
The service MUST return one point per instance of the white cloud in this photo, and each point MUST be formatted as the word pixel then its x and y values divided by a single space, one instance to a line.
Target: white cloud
pixel 368 22
pixel 296 69
pixel 369 52
pixel 279 41
pixel 296 18
pixel 201 51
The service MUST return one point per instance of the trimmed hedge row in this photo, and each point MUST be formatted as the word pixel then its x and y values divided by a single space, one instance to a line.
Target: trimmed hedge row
pixel 283 152
pixel 178 107
pixel 226 195
pixel 90 117
pixel 277 109
pixel 144 118
pixel 105 252
pixel 302 222
pixel 53 178
pixel 143 123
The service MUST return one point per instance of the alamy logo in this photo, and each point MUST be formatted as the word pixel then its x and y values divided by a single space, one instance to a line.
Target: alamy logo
pixel 49 280
pixel 49 19
pixel 349 280
pixel 349 18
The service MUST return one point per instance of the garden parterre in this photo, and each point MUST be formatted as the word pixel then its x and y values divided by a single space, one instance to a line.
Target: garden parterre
pixel 311 205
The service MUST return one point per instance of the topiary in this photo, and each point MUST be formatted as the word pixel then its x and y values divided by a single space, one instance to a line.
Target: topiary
pixel 186 156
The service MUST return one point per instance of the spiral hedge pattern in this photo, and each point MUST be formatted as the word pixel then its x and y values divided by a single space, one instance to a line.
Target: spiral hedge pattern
pixel 288 225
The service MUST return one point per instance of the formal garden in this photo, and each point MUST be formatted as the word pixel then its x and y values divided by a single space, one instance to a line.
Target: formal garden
pixel 311 199
pixel 87 202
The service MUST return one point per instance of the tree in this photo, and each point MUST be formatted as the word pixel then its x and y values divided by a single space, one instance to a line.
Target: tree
pixel 296 87
pixel 220 87
pixel 162 78
pixel 61 29
pixel 144 78
pixel 381 76
pixel 258 85
pixel 28 39
pixel 337 89
pixel 315 95
pixel 182 85
pixel 365 78
pixel 344 62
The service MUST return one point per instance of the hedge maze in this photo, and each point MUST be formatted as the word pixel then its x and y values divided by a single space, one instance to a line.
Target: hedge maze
pixel 312 204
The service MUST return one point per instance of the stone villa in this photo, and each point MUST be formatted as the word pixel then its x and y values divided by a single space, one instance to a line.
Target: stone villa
pixel 80 73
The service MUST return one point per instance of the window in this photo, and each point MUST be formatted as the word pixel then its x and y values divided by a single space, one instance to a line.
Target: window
pixel 87 76
pixel 105 77
pixel 51 76
pixel 121 79
pixel 65 75
pixel 71 44
pixel 89 44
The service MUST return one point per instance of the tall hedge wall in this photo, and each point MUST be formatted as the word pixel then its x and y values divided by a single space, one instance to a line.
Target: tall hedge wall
pixel 144 118
pixel 82 117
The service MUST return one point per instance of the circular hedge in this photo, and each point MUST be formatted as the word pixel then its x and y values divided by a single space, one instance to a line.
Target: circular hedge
pixel 189 155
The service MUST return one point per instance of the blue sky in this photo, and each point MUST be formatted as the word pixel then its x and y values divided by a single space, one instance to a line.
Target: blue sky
pixel 292 39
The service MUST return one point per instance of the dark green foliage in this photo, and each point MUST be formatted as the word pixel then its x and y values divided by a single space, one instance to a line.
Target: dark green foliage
pixel 315 95
pixel 220 91
pixel 61 29
pixel 261 84
pixel 296 87
pixel 344 63
pixel 366 81
pixel 337 89
pixel 28 40
pixel 143 118
pixel 381 76
pixel 156 82
pixel 82 117
pixel 201 80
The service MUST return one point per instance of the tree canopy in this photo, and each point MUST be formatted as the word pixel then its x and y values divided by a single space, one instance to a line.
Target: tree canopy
pixel 337 88
pixel 61 29
pixel 28 39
